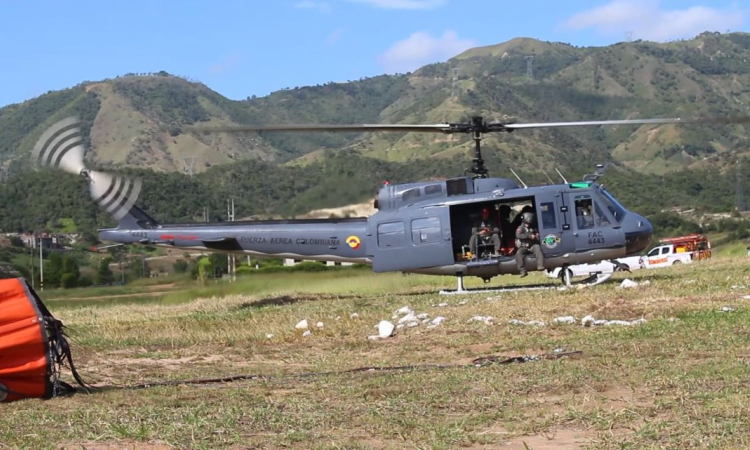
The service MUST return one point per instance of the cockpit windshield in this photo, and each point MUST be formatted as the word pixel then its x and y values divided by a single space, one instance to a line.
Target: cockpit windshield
pixel 618 212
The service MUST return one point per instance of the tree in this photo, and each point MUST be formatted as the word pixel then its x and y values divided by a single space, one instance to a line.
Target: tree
pixel 180 266
pixel 204 269
pixel 104 275
pixel 70 272
pixel 16 241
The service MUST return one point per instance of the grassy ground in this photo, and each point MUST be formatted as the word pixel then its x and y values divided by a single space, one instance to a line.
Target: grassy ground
pixel 677 381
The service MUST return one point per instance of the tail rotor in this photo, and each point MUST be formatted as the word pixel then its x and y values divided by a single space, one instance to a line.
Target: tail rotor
pixel 61 147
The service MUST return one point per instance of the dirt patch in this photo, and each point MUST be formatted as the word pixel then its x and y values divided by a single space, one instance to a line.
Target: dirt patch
pixel 554 439
pixel 126 445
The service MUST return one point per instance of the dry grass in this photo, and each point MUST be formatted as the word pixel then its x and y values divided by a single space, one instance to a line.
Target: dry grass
pixel 663 384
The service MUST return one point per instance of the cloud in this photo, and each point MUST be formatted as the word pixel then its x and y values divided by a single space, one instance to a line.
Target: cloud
pixel 309 4
pixel 228 63
pixel 402 4
pixel 335 36
pixel 421 48
pixel 647 20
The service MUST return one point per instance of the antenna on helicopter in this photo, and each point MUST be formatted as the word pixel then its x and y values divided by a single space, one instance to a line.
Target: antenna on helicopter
pixel 519 178
pixel 561 176
pixel 550 179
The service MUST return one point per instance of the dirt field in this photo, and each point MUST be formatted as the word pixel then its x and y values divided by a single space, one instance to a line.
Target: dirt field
pixel 677 380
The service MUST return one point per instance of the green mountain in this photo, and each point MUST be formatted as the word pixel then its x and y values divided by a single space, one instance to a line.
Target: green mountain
pixel 141 123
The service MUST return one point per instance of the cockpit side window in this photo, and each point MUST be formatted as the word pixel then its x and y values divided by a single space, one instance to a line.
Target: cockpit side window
pixel 616 209
pixel 653 252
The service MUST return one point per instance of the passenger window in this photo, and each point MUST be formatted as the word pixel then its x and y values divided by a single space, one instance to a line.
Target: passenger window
pixel 433 189
pixel 584 216
pixel 665 250
pixel 410 195
pixel 425 230
pixel 548 215
pixel 391 235
pixel 653 252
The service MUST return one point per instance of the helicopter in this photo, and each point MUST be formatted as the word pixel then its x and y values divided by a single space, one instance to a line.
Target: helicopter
pixel 420 227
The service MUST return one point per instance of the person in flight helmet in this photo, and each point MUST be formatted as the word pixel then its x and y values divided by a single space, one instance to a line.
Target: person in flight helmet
pixel 486 229
pixel 527 241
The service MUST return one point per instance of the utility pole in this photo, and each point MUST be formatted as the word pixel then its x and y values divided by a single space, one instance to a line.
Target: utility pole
pixel 41 266
pixel 231 261
pixel 740 191
pixel 33 281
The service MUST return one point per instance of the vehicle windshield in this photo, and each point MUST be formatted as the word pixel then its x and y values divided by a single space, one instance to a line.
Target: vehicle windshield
pixel 618 212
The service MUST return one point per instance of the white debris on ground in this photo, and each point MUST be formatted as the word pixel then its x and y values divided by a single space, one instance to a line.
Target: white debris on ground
pixel 628 283
pixel 646 282
pixel 725 309
pixel 672 319
pixel 302 325
pixel 487 320
pixel 535 323
pixel 306 333
pixel 408 318
pixel 442 305
pixel 354 316
pixel 746 297
pixel 463 302
pixel 437 321
pixel 590 320
pixel 319 324
pixel 403 311
pixel 269 336
pixel 422 316
pixel 738 286
pixel 337 318
pixel 565 319
pixel 385 330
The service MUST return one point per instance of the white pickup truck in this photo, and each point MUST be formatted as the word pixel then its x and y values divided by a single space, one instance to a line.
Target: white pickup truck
pixel 672 251
pixel 579 270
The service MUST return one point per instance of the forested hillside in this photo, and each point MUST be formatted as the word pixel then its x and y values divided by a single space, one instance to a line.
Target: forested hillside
pixel 141 123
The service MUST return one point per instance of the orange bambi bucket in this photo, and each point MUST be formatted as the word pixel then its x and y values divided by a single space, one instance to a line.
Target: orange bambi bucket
pixel 32 345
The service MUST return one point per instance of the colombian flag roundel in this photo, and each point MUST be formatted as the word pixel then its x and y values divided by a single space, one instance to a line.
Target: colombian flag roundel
pixel 353 242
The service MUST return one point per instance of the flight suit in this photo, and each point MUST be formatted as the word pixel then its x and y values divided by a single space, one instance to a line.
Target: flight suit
pixel 527 241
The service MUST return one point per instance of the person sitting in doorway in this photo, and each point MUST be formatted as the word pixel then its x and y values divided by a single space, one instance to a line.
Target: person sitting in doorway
pixel 486 229
pixel 527 241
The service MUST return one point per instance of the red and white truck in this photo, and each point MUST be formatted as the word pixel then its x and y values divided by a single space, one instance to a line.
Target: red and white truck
pixel 678 250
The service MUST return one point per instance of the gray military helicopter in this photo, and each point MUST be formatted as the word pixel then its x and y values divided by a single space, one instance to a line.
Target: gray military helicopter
pixel 422 227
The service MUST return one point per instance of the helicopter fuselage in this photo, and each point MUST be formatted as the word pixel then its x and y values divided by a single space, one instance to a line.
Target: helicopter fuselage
pixel 423 228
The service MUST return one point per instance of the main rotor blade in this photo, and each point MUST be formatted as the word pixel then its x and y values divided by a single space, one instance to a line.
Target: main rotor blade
pixel 406 128
pixel 519 126
pixel 726 120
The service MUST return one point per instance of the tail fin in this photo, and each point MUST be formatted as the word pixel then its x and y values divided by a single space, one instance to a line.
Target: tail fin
pixel 136 218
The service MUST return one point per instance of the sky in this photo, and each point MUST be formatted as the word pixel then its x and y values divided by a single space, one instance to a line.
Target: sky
pixel 245 48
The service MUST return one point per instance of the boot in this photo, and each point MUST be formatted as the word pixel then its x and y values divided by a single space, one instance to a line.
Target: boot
pixel 523 273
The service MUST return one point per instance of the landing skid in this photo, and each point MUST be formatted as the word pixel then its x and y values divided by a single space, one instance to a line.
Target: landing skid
pixel 592 280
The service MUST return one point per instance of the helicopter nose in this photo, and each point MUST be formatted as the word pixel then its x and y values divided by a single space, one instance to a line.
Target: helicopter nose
pixel 638 233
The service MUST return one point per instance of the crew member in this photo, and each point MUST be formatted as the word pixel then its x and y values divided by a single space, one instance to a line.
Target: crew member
pixel 527 241
pixel 506 227
pixel 486 229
